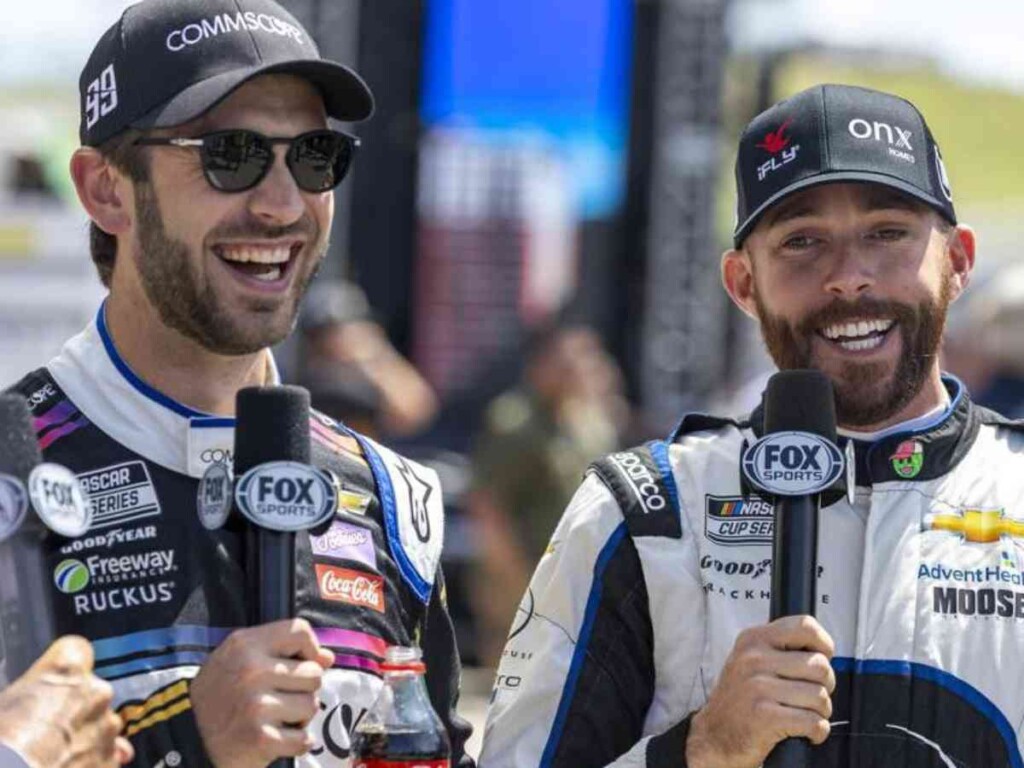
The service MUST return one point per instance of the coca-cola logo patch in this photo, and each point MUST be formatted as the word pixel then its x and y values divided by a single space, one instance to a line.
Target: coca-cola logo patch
pixel 344 585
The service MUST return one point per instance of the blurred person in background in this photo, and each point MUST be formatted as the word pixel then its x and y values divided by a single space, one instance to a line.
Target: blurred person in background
pixel 536 442
pixel 984 342
pixel 207 167
pixel 644 638
pixel 57 715
pixel 349 364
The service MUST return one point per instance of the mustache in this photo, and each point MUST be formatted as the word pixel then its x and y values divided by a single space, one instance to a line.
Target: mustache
pixel 257 230
pixel 839 311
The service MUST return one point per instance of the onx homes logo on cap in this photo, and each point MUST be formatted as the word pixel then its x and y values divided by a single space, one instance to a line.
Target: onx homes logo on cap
pixel 286 496
pixel 793 463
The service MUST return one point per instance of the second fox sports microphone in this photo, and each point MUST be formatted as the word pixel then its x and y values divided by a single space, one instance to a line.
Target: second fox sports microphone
pixel 25 602
pixel 795 460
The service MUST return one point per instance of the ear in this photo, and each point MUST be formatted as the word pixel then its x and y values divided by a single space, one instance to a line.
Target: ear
pixel 960 253
pixel 738 279
pixel 102 190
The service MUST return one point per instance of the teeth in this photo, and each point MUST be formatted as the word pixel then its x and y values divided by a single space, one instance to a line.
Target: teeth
pixel 270 275
pixel 860 344
pixel 243 255
pixel 856 330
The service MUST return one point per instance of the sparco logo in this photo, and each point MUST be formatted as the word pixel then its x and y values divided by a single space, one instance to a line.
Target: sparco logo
pixel 194 33
pixel 736 567
pixel 641 480
pixel 958 601
pixel 897 138
pixel 347 586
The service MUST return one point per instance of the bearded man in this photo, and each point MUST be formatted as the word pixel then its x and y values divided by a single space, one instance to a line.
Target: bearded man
pixel 208 168
pixel 644 638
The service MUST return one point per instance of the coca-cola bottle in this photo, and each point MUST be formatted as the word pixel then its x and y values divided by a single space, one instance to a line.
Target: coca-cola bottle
pixel 401 729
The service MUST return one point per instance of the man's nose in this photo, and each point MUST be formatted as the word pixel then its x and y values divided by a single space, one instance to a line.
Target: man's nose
pixel 277 199
pixel 851 272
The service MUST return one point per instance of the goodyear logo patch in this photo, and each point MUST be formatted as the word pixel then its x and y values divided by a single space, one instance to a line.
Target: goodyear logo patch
pixel 735 521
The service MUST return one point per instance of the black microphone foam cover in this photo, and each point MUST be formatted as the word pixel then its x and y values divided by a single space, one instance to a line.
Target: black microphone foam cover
pixel 19 451
pixel 800 401
pixel 271 424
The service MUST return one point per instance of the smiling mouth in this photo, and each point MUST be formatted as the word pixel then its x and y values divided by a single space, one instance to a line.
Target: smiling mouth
pixel 267 263
pixel 858 335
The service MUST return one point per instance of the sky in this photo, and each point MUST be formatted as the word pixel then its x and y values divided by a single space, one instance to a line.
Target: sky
pixel 975 39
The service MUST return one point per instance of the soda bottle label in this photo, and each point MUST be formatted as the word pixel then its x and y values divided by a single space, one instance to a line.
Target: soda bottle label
pixel 381 763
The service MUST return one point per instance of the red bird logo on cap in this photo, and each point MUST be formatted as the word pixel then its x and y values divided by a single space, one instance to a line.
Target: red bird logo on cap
pixel 774 142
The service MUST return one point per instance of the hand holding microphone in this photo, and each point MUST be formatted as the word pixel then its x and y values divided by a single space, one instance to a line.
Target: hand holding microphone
pixel 258 690
pixel 772 699
pixel 58 713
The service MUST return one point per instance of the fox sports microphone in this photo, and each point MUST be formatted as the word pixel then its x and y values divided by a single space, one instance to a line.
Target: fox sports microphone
pixel 271 425
pixel 794 461
pixel 25 602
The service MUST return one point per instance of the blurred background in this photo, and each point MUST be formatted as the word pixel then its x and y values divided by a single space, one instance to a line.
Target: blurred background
pixel 524 267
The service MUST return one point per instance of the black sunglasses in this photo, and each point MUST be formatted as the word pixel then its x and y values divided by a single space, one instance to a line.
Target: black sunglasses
pixel 238 159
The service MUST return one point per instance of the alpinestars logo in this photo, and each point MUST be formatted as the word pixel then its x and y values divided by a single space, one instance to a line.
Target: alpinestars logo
pixel 776 143
pixel 100 96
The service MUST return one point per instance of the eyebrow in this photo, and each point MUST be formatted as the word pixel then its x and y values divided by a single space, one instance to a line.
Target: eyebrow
pixel 876 199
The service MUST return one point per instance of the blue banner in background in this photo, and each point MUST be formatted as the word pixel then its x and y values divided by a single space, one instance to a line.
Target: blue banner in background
pixel 537 70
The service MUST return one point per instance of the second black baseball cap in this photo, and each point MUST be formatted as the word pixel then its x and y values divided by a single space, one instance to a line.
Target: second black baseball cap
pixel 165 62
pixel 832 133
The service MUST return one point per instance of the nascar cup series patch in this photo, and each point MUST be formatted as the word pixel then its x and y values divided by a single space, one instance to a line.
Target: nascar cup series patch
pixel 286 496
pixel 793 463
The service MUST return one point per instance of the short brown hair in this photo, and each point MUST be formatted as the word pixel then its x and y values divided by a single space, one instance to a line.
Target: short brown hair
pixel 120 151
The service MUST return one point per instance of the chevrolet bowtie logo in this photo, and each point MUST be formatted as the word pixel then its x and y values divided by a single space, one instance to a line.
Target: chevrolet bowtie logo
pixel 977 525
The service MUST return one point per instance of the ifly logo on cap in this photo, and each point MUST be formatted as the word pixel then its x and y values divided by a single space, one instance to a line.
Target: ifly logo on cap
pixel 980 526
pixel 776 143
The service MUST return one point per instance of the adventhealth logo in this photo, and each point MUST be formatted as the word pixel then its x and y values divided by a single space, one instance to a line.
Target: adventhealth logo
pixel 71 576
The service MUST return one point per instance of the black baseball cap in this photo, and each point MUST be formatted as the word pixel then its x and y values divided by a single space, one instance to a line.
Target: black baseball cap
pixel 166 62
pixel 832 133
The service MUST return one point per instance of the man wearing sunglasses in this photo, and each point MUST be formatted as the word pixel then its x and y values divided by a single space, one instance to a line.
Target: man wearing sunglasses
pixel 207 167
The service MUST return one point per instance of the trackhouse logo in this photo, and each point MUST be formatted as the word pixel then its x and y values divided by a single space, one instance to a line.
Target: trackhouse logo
pixel 224 23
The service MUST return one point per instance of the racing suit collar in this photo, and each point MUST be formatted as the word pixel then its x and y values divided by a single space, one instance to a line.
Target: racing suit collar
pixel 91 371
pixel 914 455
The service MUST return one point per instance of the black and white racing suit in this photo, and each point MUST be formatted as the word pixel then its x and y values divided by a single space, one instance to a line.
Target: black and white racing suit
pixel 660 562
pixel 156 592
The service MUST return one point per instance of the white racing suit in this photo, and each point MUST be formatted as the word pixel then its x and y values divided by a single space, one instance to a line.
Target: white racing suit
pixel 660 561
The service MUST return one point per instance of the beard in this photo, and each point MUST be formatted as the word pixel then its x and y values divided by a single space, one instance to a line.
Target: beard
pixel 866 393
pixel 191 306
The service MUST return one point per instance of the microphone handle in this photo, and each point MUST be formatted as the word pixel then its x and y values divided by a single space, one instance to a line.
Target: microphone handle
pixel 27 604
pixel 275 565
pixel 794 591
